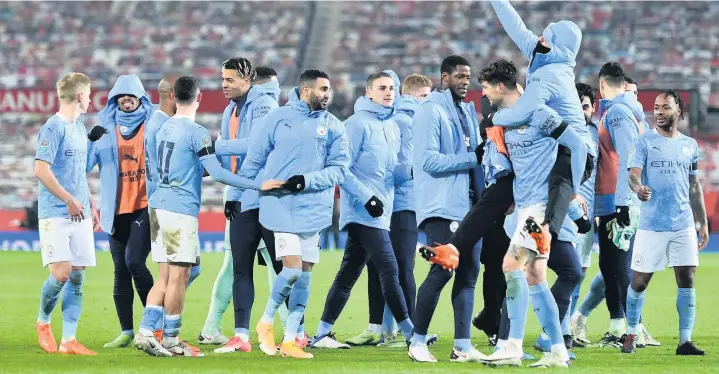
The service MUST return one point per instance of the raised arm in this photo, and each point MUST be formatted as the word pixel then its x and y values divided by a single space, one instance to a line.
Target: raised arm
pixel 515 28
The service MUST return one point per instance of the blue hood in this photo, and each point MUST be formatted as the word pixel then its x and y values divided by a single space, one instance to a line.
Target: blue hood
pixel 564 39
pixel 293 95
pixel 273 89
pixel 407 104
pixel 397 84
pixel 125 85
pixel 367 105
pixel 628 99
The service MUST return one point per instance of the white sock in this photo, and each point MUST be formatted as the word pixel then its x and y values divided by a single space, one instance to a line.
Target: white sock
pixel 517 342
pixel 579 317
pixel 244 337
pixel 267 320
pixel 560 349
pixel 501 343
pixel 66 339
pixel 170 341
pixel 617 327
pixel 377 329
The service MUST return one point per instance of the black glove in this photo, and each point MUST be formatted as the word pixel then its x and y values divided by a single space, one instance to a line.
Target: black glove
pixel 623 216
pixel 96 133
pixel 583 224
pixel 231 209
pixel 374 207
pixel 295 183
pixel 479 151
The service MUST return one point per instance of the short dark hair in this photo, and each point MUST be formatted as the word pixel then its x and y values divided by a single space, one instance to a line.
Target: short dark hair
pixel 264 72
pixel 242 66
pixel 309 77
pixel 629 80
pixel 585 90
pixel 186 89
pixel 500 71
pixel 612 73
pixel 677 99
pixel 450 63
pixel 375 76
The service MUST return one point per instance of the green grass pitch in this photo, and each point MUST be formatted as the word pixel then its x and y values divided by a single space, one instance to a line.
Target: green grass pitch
pixel 22 277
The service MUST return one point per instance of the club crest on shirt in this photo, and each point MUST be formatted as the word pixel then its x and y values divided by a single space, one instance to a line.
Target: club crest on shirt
pixel 522 129
pixel 321 130
pixel 686 151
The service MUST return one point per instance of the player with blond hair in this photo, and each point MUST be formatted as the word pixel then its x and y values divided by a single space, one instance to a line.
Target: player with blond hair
pixel 66 213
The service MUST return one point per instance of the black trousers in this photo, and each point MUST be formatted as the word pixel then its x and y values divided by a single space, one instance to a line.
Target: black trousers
pixel 494 287
pixel 613 266
pixel 129 247
pixel 560 188
pixel 480 220
pixel 364 244
pixel 403 235
pixel 245 234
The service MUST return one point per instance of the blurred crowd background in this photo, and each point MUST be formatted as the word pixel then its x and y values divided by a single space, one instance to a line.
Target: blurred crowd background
pixel 660 44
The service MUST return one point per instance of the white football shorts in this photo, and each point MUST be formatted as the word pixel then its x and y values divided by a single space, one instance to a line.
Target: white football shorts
pixel 652 249
pixel 306 245
pixel 174 237
pixel 63 240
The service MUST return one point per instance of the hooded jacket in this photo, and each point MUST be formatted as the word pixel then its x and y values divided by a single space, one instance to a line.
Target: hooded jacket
pixel 621 122
pixel 550 78
pixel 259 103
pixel 297 141
pixel 404 108
pixel 104 152
pixel 374 142
pixel 441 159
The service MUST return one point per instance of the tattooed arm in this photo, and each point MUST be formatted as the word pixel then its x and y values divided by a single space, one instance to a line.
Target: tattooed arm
pixel 696 200
pixel 635 184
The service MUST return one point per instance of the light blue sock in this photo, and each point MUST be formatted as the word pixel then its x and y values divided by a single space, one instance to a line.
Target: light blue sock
pixel 566 323
pixel 419 339
pixel 72 304
pixel 242 331
pixel 595 296
pixel 323 329
pixel 635 303
pixel 545 307
pixel 576 293
pixel 298 302
pixel 194 273
pixel 280 291
pixel 517 302
pixel 129 333
pixel 687 308
pixel 301 330
pixel 160 323
pixel 151 317
pixel 388 324
pixel 48 298
pixel 406 326
pixel 173 323
pixel 463 345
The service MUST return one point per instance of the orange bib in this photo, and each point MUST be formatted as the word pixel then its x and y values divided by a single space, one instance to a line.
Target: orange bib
pixel 608 165
pixel 131 190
